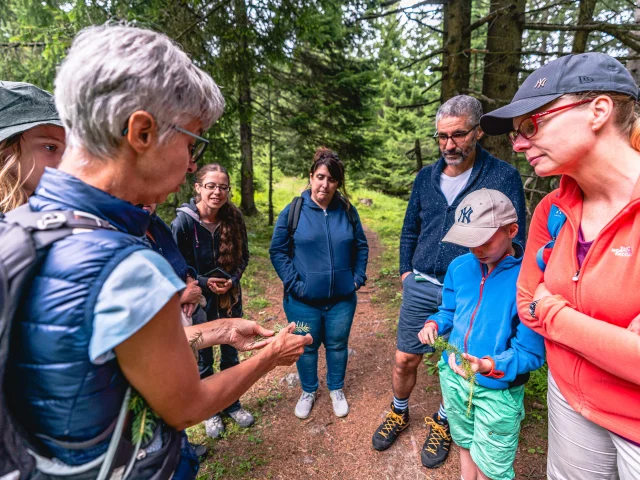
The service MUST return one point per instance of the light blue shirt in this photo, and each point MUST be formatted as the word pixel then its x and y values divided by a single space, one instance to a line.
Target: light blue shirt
pixel 135 291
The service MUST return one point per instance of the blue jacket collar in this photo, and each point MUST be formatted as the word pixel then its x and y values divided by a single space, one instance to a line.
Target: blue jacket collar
pixel 507 262
pixel 63 191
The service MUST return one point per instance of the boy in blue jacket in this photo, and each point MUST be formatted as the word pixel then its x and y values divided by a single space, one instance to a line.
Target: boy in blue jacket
pixel 479 312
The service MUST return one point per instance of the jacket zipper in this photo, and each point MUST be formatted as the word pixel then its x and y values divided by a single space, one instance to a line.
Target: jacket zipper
pixel 326 223
pixel 475 310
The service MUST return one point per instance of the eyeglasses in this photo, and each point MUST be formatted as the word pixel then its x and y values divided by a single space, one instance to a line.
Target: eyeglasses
pixel 198 148
pixel 529 126
pixel 213 186
pixel 456 137
pixel 195 151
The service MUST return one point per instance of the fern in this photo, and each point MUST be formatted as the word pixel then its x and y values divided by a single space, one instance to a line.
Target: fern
pixel 301 328
pixel 441 345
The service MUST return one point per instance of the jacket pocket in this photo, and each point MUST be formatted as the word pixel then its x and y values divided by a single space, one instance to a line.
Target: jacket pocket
pixel 316 286
pixel 343 282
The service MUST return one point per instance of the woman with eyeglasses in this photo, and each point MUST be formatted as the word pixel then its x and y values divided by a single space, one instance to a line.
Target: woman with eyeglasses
pixel 212 236
pixel 577 117
pixel 101 312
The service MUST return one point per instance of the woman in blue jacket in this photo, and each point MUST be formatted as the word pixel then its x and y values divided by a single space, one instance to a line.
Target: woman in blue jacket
pixel 322 262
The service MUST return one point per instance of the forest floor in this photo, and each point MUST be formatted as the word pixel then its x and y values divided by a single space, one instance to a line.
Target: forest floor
pixel 280 446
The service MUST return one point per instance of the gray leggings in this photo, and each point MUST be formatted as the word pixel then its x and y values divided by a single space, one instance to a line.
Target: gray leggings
pixel 581 450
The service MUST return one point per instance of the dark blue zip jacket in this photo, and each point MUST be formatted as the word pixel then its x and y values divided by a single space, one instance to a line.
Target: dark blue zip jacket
pixel 55 389
pixel 163 243
pixel 428 217
pixel 479 311
pixel 326 260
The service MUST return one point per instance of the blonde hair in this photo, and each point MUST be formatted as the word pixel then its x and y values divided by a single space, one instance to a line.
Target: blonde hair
pixel 626 118
pixel 12 194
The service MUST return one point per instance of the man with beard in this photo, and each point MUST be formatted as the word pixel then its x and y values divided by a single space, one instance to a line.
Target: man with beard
pixel 437 190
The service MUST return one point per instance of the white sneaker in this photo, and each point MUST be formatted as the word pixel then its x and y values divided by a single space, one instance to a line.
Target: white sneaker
pixel 305 404
pixel 214 426
pixel 340 405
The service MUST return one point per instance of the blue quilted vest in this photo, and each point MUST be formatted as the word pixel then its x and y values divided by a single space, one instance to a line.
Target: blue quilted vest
pixel 56 391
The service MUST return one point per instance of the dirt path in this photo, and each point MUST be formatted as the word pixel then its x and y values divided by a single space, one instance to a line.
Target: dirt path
pixel 280 446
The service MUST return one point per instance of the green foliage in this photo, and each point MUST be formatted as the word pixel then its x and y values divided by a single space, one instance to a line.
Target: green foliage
pixel 144 419
pixel 536 387
pixel 443 345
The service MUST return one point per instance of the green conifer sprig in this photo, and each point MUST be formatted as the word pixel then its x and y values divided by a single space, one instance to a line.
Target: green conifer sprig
pixel 441 345
pixel 301 328
pixel 144 418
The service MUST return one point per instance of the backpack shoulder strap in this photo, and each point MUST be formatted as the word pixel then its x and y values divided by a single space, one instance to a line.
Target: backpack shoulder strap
pixel 294 215
pixel 348 208
pixel 555 221
pixel 48 227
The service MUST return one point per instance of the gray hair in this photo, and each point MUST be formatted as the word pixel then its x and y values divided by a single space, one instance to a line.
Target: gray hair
pixel 461 106
pixel 112 71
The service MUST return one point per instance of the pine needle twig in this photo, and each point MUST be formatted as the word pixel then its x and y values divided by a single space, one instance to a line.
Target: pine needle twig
pixel 441 345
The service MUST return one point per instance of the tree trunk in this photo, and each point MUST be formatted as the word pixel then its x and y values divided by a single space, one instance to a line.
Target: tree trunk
pixel 585 16
pixel 634 65
pixel 500 80
pixel 270 156
pixel 247 203
pixel 419 163
pixel 457 44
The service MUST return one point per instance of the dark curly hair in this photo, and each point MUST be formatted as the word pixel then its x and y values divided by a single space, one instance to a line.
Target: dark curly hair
pixel 231 224
pixel 327 157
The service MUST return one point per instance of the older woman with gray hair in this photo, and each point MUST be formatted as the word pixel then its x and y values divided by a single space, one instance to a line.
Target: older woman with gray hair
pixel 107 313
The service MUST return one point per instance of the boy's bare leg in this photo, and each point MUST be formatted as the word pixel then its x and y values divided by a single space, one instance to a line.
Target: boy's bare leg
pixel 405 373
pixel 482 476
pixel 468 468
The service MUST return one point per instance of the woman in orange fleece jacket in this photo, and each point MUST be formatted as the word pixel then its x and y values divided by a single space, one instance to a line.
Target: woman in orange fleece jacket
pixel 576 117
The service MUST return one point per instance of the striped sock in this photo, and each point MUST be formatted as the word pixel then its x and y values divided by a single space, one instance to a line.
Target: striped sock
pixel 442 413
pixel 400 405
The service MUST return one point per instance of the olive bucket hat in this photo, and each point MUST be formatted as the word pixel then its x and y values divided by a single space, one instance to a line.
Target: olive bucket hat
pixel 584 72
pixel 23 107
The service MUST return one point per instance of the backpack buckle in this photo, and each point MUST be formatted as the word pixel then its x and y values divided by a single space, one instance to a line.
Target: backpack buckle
pixel 51 220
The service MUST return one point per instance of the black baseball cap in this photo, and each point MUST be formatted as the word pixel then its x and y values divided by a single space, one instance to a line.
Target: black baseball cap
pixel 24 106
pixel 584 72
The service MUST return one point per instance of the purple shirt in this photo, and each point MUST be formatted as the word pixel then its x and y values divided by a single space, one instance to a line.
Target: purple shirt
pixel 582 248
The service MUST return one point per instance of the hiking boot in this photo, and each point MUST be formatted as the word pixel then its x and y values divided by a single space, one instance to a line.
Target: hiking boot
pixel 243 418
pixel 436 447
pixel 214 426
pixel 305 404
pixel 340 405
pixel 388 431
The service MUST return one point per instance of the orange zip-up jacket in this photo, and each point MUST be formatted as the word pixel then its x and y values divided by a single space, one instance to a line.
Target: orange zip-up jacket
pixel 593 357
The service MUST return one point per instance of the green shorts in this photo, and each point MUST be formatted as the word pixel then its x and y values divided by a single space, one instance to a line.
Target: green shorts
pixel 491 430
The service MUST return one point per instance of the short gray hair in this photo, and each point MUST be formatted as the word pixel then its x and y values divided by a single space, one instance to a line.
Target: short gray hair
pixel 112 71
pixel 461 106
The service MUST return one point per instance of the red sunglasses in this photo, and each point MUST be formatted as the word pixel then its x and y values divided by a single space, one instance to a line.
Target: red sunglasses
pixel 529 126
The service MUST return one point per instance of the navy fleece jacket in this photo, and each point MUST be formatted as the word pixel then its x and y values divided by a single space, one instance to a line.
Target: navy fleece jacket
pixel 428 217
pixel 325 260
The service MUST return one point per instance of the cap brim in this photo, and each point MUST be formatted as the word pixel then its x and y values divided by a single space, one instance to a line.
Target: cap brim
pixel 469 237
pixel 14 130
pixel 500 121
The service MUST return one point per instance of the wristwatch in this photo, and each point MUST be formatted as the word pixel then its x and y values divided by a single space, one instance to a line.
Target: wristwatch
pixel 532 308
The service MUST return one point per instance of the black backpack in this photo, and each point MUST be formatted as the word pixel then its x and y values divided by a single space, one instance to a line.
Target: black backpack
pixel 296 207
pixel 24 239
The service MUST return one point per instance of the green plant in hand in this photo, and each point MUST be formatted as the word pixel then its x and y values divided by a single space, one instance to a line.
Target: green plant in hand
pixel 441 345
pixel 301 329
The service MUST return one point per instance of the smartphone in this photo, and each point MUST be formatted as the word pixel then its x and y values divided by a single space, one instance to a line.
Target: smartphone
pixel 218 273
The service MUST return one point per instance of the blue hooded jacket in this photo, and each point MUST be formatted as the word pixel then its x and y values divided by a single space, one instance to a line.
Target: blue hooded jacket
pixel 479 309
pixel 325 261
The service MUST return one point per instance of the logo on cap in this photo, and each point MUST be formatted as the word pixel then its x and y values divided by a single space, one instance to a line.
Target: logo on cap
pixel 584 79
pixel 465 215
pixel 540 83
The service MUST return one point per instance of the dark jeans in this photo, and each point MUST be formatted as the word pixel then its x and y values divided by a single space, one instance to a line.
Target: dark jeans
pixel 228 358
pixel 330 325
